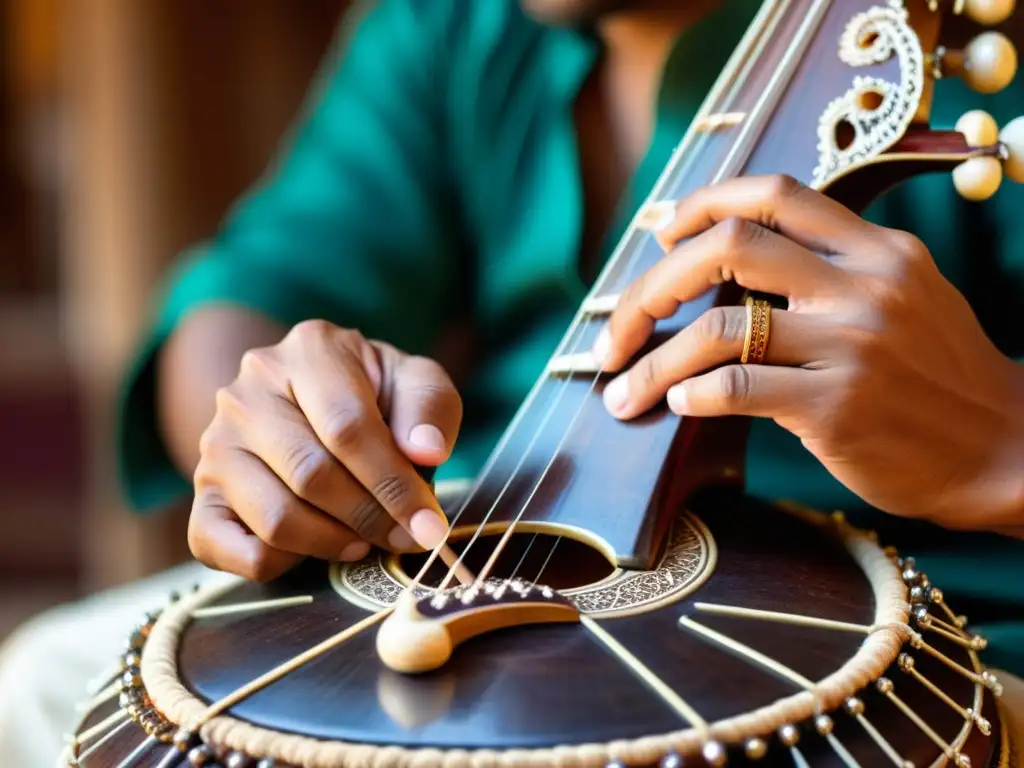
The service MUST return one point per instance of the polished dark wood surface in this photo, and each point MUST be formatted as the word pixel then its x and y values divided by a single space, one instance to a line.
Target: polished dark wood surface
pixel 547 685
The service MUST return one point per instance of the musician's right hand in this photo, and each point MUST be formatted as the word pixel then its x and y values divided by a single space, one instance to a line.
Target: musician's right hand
pixel 312 451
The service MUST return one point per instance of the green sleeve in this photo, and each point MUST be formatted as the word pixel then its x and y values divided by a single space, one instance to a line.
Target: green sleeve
pixel 353 225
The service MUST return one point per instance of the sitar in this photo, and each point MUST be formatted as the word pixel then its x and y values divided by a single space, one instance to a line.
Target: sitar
pixel 607 594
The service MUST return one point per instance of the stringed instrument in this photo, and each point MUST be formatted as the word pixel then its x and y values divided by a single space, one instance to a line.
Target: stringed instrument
pixel 617 599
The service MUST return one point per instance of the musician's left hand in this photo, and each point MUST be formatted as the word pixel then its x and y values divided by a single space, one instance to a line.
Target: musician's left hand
pixel 878 365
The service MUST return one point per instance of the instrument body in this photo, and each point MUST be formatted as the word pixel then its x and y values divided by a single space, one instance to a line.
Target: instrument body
pixel 835 95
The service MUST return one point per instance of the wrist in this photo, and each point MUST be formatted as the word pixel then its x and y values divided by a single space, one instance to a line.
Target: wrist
pixel 1006 481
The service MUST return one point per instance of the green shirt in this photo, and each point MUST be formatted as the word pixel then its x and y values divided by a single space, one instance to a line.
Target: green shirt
pixel 437 163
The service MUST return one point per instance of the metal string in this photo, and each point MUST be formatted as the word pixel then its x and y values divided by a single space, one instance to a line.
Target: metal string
pixel 744 142
pixel 677 167
pixel 675 173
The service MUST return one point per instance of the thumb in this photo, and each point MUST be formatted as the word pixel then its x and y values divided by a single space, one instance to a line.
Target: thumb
pixel 425 411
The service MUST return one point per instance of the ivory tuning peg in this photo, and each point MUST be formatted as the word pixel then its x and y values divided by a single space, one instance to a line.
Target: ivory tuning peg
pixel 1012 140
pixel 987 64
pixel 988 12
pixel 978 179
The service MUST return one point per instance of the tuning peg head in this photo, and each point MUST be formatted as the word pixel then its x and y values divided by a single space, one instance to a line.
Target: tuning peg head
pixel 989 62
pixel 1012 139
pixel 989 12
pixel 978 127
pixel 978 179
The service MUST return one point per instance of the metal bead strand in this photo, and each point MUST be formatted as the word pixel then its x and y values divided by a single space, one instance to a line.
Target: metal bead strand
pixel 672 760
pixel 789 735
pixel 714 754
pixel 755 749
pixel 823 725
pixel 200 756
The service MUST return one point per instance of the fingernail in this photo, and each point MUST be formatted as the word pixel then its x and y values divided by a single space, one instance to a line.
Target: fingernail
pixel 428 528
pixel 400 540
pixel 428 437
pixel 616 394
pixel 602 346
pixel 676 398
pixel 357 550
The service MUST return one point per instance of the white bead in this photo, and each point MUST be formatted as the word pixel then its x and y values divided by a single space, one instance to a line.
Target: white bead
pixel 1012 136
pixel 989 12
pixel 979 128
pixel 978 178
pixel 990 62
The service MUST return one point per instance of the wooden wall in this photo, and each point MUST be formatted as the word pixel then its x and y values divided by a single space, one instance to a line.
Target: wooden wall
pixel 178 106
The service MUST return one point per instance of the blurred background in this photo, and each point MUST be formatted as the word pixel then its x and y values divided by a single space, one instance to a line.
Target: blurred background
pixel 127 128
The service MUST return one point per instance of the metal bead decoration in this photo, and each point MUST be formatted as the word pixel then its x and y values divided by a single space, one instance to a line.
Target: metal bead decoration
pixel 136 640
pixel 266 762
pixel 978 643
pixel 922 617
pixel 823 725
pixel 906 562
pixel 909 575
pixel 132 659
pixel 789 735
pixel 182 739
pixel 200 756
pixel 935 596
pixel 714 754
pixel 237 760
pixel 132 678
pixel 854 706
pixel 616 764
pixel 963 761
pixel 755 749
pixel 884 685
pixel 983 725
pixel 906 662
pixel 672 760
pixel 992 683
pixel 917 594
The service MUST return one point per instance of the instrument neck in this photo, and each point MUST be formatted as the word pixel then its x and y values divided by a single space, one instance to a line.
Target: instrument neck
pixel 564 455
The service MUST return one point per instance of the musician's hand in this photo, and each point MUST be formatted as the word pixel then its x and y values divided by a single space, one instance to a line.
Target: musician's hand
pixel 879 365
pixel 311 453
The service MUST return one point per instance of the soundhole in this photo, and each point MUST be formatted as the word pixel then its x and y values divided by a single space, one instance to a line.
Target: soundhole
pixel 544 558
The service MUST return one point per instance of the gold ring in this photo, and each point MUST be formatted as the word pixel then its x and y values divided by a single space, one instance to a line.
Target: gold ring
pixel 759 325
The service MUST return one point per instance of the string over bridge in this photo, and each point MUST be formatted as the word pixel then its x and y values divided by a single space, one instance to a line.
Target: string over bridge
pixel 421 634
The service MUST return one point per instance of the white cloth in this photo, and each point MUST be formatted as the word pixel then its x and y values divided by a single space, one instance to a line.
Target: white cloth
pixel 47 664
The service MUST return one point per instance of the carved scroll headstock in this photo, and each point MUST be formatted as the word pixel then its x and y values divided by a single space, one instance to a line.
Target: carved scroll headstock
pixel 833 93
pixel 885 120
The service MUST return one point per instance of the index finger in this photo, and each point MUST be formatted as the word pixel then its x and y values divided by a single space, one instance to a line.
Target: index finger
pixel 340 403
pixel 780 203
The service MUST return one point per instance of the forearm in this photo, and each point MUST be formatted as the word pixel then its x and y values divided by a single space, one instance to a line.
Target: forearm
pixel 202 356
